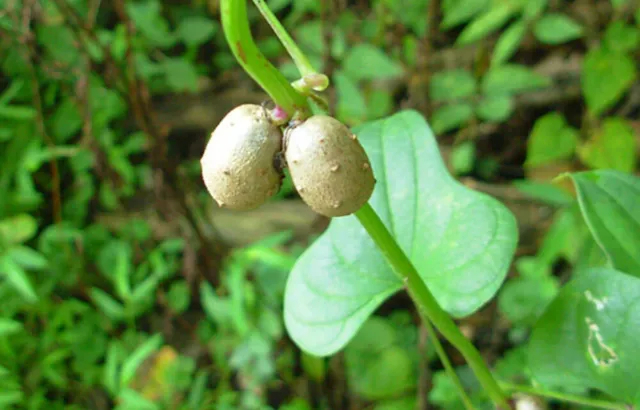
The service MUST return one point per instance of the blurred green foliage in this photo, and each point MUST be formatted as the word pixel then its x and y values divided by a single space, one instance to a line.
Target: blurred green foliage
pixel 107 312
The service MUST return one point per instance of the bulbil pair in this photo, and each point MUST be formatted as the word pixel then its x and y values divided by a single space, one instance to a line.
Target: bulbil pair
pixel 328 166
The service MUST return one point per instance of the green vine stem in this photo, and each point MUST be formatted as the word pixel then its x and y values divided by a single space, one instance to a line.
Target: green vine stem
pixel 299 58
pixel 235 25
pixel 568 398
pixel 427 304
pixel 446 362
pixel 236 28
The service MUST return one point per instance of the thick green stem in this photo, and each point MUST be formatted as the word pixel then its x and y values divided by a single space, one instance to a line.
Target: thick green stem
pixel 427 304
pixel 236 30
pixel 568 398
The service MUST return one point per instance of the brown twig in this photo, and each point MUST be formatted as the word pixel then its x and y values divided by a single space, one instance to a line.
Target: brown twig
pixel 27 39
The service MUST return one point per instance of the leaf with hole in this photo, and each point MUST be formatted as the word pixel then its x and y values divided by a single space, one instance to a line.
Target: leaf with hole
pixel 461 241
pixel 610 204
pixel 588 336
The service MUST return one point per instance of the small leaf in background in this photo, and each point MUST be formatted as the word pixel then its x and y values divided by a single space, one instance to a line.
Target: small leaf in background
pixel 587 338
pixel 486 23
pixel 497 108
pixel 181 75
pixel 451 85
pixel 461 11
pixel 444 392
pixel 9 327
pixel 137 357
pixel 132 400
pixel 314 367
pixel 511 79
pixel 59 41
pixel 377 366
pixel 463 157
pixel 368 62
pixel 66 120
pixel 351 106
pixel 533 8
pixel 523 299
pixel 450 117
pixel 179 296
pixel 509 42
pixel 149 21
pixel 606 77
pixel 17 278
pixel 405 403
pixel 613 146
pixel 557 28
pixel 196 30
pixel 461 241
pixel 109 306
pixel 17 229
pixel 551 139
pixel 545 192
pixel 379 104
pixel 27 258
pixel 610 203
pixel 621 37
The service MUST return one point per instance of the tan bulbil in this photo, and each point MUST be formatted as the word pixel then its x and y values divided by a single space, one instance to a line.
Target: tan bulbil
pixel 238 162
pixel 328 166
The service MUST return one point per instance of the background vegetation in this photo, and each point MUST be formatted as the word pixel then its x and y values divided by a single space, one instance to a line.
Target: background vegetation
pixel 122 285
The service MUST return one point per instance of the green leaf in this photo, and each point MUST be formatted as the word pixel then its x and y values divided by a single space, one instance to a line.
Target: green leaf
pixel 612 146
pixel 621 37
pixel 109 306
pixel 463 157
pixel 609 203
pixel 18 229
pixel 377 366
pixel 351 105
pixel 9 327
pixel 495 108
pixel 368 62
pixel 509 42
pixel 486 23
pixel 451 85
pixel 150 23
pixel 523 299
pixel 27 258
pixel 66 120
pixel 588 337
pixel 450 117
pixel 195 30
pixel 551 139
pixel 556 28
pixel 180 74
pixel 133 362
pixel 606 77
pixel 512 79
pixel 459 11
pixel 17 278
pixel 179 296
pixel 461 241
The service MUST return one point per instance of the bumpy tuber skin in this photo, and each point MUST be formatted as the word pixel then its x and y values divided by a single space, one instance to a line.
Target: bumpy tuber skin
pixel 328 166
pixel 238 162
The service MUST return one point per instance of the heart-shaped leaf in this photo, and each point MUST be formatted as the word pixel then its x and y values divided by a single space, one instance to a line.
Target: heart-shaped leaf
pixel 461 241
pixel 588 337
pixel 610 203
